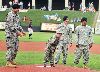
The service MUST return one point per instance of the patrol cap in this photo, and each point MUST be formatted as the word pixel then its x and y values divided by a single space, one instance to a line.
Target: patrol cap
pixel 65 18
pixel 84 19
pixel 15 6
pixel 59 32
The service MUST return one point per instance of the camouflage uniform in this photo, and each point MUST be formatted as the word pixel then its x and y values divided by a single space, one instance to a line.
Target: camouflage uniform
pixel 84 39
pixel 50 49
pixel 12 27
pixel 65 40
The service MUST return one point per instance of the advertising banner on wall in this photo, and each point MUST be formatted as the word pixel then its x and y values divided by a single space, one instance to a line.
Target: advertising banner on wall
pixel 52 26
pixel 2 25
pixel 48 27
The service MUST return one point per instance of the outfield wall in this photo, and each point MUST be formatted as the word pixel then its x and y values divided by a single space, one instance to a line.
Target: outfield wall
pixel 44 27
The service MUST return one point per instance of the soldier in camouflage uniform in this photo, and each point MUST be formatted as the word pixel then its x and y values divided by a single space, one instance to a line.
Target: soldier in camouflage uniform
pixel 84 42
pixel 65 40
pixel 50 49
pixel 13 30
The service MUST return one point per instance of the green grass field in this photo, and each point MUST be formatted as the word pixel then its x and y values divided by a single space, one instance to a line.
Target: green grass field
pixel 38 16
pixel 44 36
pixel 26 58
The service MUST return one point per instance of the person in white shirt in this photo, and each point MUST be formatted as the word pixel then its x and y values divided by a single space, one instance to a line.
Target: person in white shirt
pixel 30 30
pixel 10 3
pixel 21 5
pixel 29 5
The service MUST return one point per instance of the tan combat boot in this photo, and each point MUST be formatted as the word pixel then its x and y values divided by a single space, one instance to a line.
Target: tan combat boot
pixel 9 64
pixel 13 62
pixel 85 66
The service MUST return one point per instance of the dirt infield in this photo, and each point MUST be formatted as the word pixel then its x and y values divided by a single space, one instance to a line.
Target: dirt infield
pixel 34 68
pixel 40 46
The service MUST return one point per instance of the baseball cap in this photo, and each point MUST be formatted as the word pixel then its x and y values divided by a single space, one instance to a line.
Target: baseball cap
pixel 84 19
pixel 65 17
pixel 15 6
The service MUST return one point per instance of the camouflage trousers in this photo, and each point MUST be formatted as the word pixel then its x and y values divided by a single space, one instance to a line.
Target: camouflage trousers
pixel 61 48
pixel 49 54
pixel 12 48
pixel 82 50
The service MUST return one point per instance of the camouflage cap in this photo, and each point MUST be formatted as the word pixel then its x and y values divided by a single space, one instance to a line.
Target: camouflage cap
pixel 59 32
